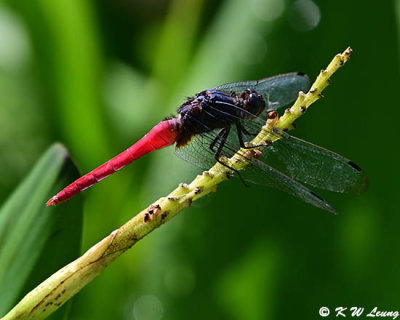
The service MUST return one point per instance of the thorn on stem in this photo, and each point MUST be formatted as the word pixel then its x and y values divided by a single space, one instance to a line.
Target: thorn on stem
pixel 349 51
pixel 272 115
pixel 208 174
pixel 253 154
pixel 198 190
pixel 154 209
pixel 272 118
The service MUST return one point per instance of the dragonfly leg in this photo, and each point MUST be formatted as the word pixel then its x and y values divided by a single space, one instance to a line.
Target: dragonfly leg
pixel 223 135
pixel 244 130
pixel 218 137
pixel 240 130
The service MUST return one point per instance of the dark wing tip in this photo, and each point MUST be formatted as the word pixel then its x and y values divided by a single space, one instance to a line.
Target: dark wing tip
pixel 316 195
pixel 362 182
pixel 355 166
pixel 327 207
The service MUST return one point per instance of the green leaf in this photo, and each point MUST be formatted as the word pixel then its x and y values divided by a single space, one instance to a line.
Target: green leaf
pixel 35 240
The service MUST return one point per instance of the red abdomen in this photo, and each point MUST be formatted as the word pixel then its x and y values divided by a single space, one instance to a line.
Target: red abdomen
pixel 162 135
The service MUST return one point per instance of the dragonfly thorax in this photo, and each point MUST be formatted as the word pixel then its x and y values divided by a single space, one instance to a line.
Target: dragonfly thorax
pixel 213 109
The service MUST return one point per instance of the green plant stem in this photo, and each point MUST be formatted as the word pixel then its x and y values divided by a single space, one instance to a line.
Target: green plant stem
pixel 62 285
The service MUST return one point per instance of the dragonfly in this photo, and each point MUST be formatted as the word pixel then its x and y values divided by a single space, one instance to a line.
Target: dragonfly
pixel 215 123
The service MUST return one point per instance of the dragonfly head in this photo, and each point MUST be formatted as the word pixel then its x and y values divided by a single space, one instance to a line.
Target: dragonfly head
pixel 253 102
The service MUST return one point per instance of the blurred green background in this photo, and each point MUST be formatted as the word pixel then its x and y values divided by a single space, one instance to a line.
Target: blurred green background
pixel 97 75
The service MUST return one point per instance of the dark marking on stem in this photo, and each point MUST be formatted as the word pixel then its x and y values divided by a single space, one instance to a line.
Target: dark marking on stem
pixel 303 109
pixel 287 110
pixel 146 218
pixel 62 292
pixel 341 62
pixel 164 215
pixel 329 80
pixel 293 125
pixel 320 96
pixel 268 143
pixel 285 130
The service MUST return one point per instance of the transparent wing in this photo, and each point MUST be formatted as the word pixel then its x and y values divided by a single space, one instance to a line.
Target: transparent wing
pixel 278 91
pixel 306 162
pixel 269 176
pixel 199 153
pixel 315 166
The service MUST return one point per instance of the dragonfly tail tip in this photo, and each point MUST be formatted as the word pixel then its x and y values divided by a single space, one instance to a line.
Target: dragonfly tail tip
pixel 52 202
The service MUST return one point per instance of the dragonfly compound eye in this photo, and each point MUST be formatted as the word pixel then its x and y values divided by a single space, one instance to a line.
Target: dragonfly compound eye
pixel 255 103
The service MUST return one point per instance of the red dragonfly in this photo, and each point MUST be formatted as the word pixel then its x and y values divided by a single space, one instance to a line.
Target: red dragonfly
pixel 217 122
